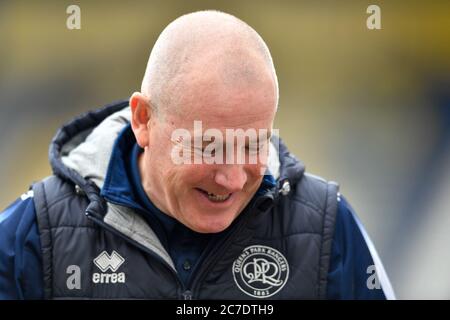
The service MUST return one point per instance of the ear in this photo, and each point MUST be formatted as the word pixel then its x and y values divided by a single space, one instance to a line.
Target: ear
pixel 140 118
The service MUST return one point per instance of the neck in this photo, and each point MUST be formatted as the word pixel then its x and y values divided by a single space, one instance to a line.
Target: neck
pixel 150 183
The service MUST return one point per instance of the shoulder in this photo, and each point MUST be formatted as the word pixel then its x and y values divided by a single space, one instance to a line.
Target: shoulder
pixel 17 214
pixel 59 202
pixel 356 271
pixel 19 250
pixel 313 199
pixel 316 191
pixel 309 206
pixel 53 189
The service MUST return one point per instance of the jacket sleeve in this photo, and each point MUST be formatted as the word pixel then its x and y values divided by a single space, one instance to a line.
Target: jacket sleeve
pixel 356 271
pixel 20 251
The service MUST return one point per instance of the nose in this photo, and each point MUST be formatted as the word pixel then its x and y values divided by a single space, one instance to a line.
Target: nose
pixel 231 177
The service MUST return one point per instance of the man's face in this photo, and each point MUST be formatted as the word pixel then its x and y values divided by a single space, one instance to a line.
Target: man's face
pixel 208 197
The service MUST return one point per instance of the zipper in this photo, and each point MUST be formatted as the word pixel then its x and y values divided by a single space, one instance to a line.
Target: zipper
pixel 215 253
pixel 187 295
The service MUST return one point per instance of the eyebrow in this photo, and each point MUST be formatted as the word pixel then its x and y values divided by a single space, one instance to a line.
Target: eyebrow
pixel 209 139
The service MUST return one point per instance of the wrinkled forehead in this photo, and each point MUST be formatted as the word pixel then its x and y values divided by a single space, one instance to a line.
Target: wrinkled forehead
pixel 224 108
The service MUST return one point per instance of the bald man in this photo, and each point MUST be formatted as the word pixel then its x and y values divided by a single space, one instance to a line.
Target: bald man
pixel 184 192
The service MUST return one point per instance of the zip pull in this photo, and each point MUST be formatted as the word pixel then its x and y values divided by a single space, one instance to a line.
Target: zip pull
pixel 285 188
pixel 79 191
pixel 187 295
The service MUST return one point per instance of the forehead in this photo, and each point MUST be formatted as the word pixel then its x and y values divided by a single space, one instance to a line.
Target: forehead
pixel 221 105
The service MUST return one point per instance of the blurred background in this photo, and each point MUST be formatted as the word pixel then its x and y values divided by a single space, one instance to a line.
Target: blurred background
pixel 367 108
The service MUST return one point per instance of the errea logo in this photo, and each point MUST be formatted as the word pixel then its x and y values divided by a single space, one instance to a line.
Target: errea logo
pixel 107 262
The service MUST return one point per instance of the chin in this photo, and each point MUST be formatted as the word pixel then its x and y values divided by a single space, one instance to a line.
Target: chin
pixel 214 226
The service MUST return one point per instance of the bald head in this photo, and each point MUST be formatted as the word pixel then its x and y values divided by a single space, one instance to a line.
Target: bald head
pixel 208 45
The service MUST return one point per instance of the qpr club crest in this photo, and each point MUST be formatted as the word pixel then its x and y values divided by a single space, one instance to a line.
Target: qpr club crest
pixel 260 271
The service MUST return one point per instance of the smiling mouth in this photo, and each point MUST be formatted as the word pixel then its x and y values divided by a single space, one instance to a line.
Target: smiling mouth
pixel 215 197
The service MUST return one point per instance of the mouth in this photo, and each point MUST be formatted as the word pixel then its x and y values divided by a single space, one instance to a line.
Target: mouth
pixel 215 197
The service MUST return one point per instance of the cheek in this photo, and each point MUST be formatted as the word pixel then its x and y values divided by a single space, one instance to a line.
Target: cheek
pixel 198 174
pixel 182 176
pixel 160 148
pixel 254 175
